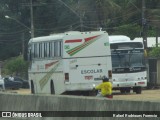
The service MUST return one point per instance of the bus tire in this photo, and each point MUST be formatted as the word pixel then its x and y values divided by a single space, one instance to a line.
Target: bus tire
pixel 128 90
pixel 52 87
pixel 32 87
pixel 138 90
pixel 122 90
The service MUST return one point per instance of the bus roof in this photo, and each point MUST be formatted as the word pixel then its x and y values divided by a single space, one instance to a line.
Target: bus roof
pixel 118 38
pixel 47 38
pixel 59 36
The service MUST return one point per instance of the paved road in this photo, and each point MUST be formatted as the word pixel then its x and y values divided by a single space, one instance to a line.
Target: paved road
pixel 147 95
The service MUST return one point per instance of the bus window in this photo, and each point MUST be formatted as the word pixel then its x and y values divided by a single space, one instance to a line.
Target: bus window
pixel 29 53
pixel 35 50
pixel 56 49
pixel 61 48
pixel 50 49
pixel 42 50
pixel 32 50
pixel 52 55
pixel 45 49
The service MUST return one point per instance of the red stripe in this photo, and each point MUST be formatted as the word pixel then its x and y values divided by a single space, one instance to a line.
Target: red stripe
pixel 50 64
pixel 73 41
pixel 90 38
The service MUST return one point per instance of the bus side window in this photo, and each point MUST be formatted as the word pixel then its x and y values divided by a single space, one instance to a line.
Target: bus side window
pixel 58 49
pixel 50 49
pixel 45 49
pixel 40 50
pixel 61 48
pixel 55 48
pixel 32 50
pixel 29 53
pixel 35 50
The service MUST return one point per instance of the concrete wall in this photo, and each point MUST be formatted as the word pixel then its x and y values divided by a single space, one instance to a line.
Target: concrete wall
pixel 14 102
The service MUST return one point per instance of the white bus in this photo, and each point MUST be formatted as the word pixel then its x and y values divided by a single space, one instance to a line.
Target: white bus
pixel 128 64
pixel 69 62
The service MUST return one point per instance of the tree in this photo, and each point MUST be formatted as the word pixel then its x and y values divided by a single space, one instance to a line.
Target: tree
pixel 130 30
pixel 52 16
pixel 16 66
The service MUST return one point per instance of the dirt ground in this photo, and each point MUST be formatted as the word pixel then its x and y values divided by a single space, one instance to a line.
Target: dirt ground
pixel 147 95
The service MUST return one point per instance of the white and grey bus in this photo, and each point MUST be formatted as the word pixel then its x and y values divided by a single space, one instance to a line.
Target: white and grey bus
pixel 128 64
pixel 69 62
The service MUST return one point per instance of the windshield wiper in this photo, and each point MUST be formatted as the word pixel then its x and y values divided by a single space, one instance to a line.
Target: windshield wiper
pixel 130 55
pixel 118 56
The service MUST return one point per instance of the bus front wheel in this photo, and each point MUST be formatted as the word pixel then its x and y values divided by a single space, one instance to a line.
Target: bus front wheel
pixel 52 87
pixel 125 90
pixel 138 90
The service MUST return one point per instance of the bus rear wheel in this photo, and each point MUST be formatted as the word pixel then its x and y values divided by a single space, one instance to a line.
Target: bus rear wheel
pixel 32 87
pixel 52 87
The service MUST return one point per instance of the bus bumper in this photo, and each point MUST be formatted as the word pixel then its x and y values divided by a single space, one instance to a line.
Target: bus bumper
pixel 80 86
pixel 130 84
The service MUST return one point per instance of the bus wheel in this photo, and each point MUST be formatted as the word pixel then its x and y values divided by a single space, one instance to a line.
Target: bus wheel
pixel 32 87
pixel 52 87
pixel 122 90
pixel 138 90
pixel 128 90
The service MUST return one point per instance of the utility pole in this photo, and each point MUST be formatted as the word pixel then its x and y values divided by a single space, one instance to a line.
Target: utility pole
pixel 32 24
pixel 30 4
pixel 144 25
pixel 23 45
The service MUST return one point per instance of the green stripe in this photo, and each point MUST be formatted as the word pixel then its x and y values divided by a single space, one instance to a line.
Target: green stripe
pixel 45 79
pixel 80 47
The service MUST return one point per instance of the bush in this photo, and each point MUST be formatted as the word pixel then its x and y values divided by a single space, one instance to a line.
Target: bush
pixel 155 52
pixel 16 66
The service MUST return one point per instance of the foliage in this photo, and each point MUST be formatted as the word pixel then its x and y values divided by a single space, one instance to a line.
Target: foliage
pixel 155 52
pixel 54 16
pixel 16 66
pixel 130 30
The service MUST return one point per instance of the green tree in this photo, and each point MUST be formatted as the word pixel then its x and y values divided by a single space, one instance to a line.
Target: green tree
pixel 130 30
pixel 16 66
pixel 52 16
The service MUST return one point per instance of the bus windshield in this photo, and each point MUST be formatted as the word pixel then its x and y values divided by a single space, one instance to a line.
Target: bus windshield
pixel 125 60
